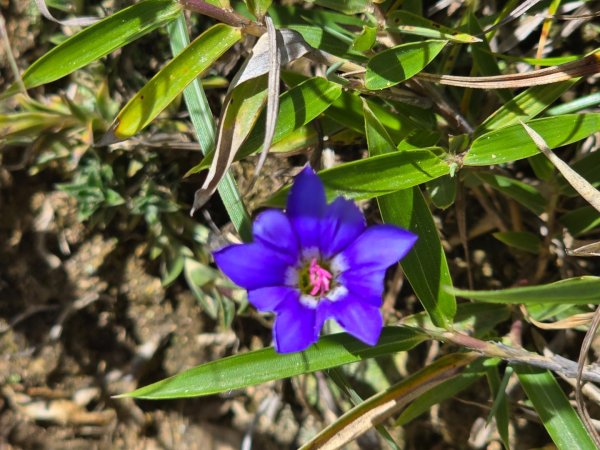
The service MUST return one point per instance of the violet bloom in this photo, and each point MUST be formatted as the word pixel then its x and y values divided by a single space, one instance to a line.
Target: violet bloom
pixel 313 262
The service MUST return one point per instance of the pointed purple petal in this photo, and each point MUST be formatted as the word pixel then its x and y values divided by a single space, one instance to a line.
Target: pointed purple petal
pixel 294 328
pixel 270 298
pixel 273 229
pixel 305 207
pixel 252 266
pixel 342 223
pixel 378 247
pixel 358 318
pixel 365 284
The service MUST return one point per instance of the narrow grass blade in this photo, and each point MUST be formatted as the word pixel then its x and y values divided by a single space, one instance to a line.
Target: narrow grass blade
pixel 576 291
pixel 558 416
pixel 205 127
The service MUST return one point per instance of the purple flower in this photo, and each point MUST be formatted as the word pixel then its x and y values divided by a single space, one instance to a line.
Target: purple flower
pixel 313 262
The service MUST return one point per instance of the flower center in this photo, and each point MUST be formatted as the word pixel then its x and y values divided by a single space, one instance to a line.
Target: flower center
pixel 320 279
pixel 315 279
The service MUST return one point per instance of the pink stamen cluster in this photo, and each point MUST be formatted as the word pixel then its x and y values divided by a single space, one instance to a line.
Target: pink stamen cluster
pixel 320 279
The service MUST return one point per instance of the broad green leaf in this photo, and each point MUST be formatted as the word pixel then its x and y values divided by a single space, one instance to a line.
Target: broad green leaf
pixel 513 143
pixel 581 220
pixel 576 291
pixel 523 193
pixel 425 265
pixel 521 240
pixel 206 133
pixel 543 168
pixel 100 39
pixel 442 191
pixel 400 63
pixel 380 407
pixel 258 7
pixel 366 39
pixel 446 390
pixel 377 175
pixel 171 80
pixel 419 138
pixel 247 369
pixel 525 106
pixel 552 405
pixel 408 23
pixel 297 107
pixel 328 40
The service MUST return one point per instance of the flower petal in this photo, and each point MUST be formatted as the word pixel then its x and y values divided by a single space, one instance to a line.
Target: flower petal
pixel 268 299
pixel 273 229
pixel 252 266
pixel 342 223
pixel 377 248
pixel 358 318
pixel 294 328
pixel 365 284
pixel 305 207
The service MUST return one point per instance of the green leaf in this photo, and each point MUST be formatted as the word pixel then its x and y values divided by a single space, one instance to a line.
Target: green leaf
pixel 442 191
pixel 400 63
pixel 446 390
pixel 258 7
pixel 377 175
pixel 552 405
pixel 328 40
pixel 576 291
pixel 425 265
pixel 348 111
pixel 500 409
pixel 171 80
pixel 525 106
pixel 197 275
pixel 575 105
pixel 297 107
pixel 523 193
pixel 408 23
pixel 100 39
pixel 588 167
pixel 513 143
pixel 29 124
pixel 581 220
pixel 345 6
pixel 365 40
pixel 247 369
pixel 521 240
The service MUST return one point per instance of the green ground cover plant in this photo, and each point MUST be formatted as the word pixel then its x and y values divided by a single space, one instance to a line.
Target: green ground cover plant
pixel 171 127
